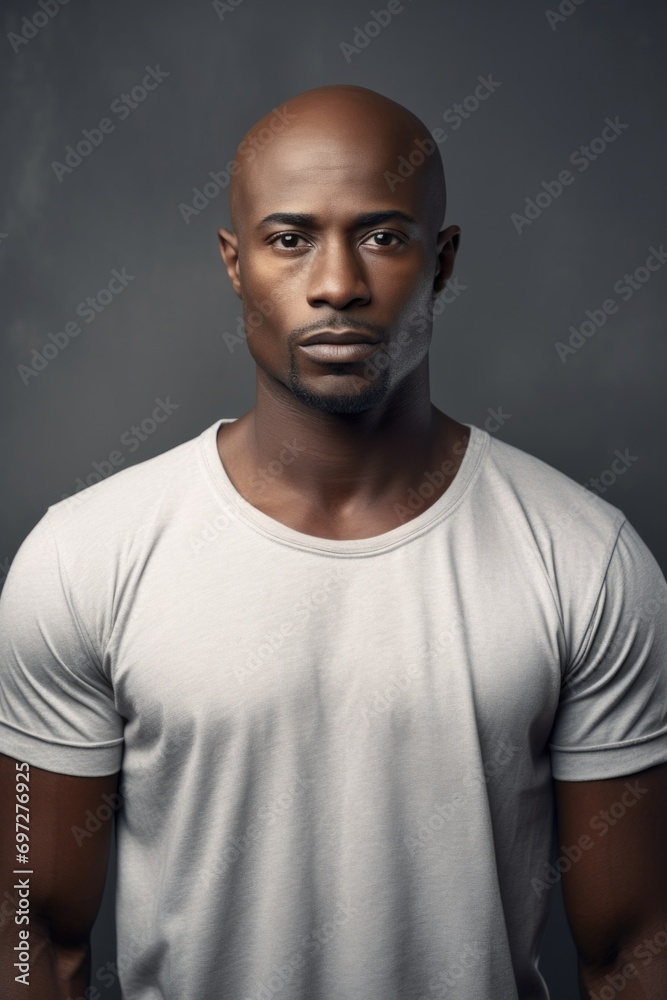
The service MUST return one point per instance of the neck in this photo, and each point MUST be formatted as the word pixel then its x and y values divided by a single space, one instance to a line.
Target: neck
pixel 340 462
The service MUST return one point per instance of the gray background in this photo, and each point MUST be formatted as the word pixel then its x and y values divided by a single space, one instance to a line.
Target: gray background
pixel 163 335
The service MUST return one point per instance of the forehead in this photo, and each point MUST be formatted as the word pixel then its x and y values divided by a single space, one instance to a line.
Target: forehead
pixel 340 172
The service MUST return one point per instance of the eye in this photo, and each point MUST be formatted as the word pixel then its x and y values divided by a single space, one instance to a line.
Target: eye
pixel 289 241
pixel 385 235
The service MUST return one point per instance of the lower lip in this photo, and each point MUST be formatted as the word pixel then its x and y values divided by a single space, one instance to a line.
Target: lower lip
pixel 338 352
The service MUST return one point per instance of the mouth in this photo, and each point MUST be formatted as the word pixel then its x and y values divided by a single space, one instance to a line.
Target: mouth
pixel 335 351
pixel 339 337
pixel 339 346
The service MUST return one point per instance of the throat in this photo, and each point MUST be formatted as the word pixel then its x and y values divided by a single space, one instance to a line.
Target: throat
pixel 356 512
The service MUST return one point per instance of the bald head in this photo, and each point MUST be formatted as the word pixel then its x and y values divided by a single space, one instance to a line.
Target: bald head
pixel 332 132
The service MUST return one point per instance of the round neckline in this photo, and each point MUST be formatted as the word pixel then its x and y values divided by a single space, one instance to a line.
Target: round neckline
pixel 269 526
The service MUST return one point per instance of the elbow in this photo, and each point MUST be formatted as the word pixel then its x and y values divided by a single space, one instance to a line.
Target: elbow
pixel 639 957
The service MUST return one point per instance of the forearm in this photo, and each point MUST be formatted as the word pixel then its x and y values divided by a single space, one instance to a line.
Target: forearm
pixel 55 898
pixel 638 972
pixel 49 971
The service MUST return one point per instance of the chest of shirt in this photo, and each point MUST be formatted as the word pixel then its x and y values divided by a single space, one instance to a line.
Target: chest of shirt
pixel 243 638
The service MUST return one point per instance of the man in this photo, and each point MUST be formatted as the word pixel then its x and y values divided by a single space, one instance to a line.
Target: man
pixel 350 657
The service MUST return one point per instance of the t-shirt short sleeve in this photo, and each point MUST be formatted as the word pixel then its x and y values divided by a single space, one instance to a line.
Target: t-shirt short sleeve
pixel 612 714
pixel 57 708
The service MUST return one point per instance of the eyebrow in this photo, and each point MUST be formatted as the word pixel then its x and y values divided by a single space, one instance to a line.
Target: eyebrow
pixel 310 221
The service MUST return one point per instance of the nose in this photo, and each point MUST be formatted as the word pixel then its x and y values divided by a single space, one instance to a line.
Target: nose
pixel 337 278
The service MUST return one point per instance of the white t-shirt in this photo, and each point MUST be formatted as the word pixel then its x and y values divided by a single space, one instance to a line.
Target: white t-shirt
pixel 337 756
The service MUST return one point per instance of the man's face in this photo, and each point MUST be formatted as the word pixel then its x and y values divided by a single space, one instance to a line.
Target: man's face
pixel 326 244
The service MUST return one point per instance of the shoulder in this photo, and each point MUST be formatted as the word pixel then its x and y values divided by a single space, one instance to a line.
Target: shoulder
pixel 128 504
pixel 544 521
pixel 76 565
pixel 558 511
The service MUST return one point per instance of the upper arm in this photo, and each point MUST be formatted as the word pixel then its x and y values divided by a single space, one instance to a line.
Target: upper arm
pixel 57 712
pixel 611 717
pixel 613 833
pixel 70 822
pixel 57 703
pixel 609 762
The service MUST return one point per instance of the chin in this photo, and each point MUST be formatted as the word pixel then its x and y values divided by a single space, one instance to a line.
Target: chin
pixel 339 402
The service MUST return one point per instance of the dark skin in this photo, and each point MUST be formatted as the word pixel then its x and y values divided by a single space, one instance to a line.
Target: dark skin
pixel 366 439
pixel 616 895
pixel 362 452
pixel 66 885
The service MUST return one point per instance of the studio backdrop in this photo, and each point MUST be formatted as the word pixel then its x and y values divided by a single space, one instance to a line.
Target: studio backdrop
pixel 123 338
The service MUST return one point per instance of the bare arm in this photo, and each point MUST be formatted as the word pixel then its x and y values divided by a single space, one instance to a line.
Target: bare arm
pixel 68 864
pixel 616 893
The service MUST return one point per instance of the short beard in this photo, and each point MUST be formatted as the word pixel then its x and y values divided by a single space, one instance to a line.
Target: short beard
pixel 373 394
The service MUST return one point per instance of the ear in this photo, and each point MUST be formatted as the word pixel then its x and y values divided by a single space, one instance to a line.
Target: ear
pixel 229 251
pixel 448 245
